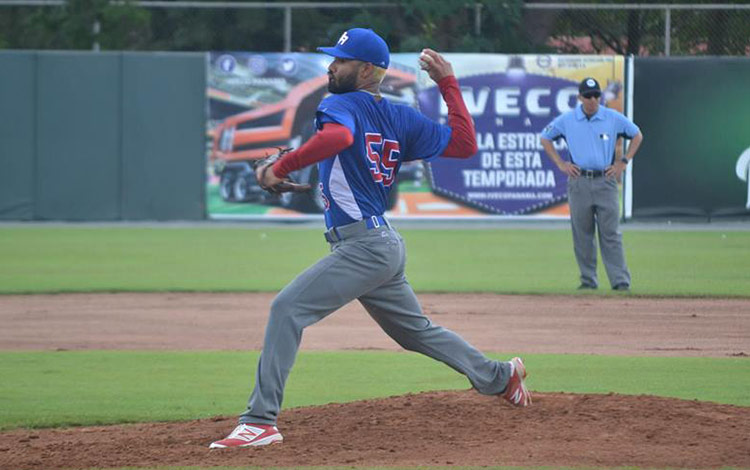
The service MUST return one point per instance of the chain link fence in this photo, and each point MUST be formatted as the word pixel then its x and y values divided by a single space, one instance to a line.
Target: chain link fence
pixel 576 28
pixel 646 29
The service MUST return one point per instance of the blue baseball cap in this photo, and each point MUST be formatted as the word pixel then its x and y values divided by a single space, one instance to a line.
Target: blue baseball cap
pixel 361 44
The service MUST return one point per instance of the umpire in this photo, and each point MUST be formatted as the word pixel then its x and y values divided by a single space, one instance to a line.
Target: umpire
pixel 591 132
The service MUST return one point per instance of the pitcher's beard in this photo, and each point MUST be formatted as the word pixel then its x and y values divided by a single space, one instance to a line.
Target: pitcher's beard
pixel 344 85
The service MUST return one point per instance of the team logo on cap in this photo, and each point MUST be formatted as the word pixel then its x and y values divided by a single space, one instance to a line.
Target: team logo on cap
pixel 344 37
pixel 590 82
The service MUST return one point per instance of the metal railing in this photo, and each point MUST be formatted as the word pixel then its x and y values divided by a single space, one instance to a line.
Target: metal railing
pixel 633 28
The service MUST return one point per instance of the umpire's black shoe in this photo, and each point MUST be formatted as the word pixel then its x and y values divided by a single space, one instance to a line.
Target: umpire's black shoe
pixel 586 287
pixel 622 287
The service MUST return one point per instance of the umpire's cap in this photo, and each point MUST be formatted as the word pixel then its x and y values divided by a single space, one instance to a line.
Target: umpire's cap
pixel 589 85
pixel 361 44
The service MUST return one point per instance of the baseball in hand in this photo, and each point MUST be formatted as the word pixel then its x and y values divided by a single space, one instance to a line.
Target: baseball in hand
pixel 423 62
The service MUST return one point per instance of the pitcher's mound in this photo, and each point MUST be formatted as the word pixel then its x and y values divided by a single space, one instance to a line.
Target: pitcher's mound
pixel 436 428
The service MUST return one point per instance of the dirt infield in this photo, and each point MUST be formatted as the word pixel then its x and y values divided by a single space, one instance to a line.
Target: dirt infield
pixel 531 324
pixel 437 428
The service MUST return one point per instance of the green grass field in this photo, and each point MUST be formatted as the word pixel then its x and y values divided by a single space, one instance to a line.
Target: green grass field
pixel 51 389
pixel 671 263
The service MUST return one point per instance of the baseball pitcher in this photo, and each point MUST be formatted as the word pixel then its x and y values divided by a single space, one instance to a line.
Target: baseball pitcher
pixel 361 141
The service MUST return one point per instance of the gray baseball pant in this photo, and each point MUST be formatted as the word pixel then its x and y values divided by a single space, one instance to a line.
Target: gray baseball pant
pixel 368 267
pixel 595 206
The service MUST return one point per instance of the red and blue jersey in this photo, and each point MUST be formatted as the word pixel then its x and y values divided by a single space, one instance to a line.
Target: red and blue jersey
pixel 356 182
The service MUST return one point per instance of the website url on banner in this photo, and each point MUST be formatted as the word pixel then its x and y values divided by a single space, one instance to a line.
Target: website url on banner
pixel 524 195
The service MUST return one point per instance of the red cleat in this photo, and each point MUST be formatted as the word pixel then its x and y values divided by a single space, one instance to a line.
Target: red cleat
pixel 516 392
pixel 247 435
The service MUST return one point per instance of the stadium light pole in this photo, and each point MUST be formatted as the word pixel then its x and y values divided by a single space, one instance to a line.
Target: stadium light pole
pixel 288 29
pixel 667 31
pixel 96 29
pixel 478 19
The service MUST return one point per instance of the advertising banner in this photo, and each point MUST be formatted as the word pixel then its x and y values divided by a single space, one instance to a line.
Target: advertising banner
pixel 259 102
pixel 695 157
pixel 512 98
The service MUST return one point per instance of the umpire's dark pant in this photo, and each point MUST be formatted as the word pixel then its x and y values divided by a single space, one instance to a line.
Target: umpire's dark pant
pixel 595 204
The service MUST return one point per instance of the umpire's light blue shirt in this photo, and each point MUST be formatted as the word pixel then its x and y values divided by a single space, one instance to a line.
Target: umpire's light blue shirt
pixel 591 142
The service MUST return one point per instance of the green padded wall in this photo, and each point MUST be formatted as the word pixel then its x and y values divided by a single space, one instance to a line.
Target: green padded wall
pixel 88 136
pixel 163 130
pixel 17 71
pixel 78 138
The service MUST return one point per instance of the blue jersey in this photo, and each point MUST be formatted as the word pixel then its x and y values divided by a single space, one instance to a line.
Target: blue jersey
pixel 356 182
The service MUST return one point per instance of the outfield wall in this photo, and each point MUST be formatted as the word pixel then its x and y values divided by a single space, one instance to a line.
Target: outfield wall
pixel 122 136
pixel 695 117
pixel 102 136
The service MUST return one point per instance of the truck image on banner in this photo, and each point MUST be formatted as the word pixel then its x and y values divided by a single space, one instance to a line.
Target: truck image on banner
pixel 260 103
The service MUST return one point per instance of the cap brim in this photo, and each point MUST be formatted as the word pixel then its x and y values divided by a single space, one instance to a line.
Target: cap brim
pixel 332 51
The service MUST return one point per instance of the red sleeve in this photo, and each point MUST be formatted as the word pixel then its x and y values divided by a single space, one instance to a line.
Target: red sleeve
pixel 327 142
pixel 463 143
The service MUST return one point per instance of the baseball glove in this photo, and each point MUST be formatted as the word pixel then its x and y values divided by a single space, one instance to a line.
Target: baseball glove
pixel 285 186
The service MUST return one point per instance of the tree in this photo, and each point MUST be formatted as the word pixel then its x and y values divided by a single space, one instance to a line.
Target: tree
pixel 78 24
pixel 642 32
pixel 452 26
pixel 411 25
pixel 608 31
pixel 408 25
pixel 713 32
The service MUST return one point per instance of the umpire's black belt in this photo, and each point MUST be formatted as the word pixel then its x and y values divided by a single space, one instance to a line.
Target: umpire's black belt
pixel 336 234
pixel 592 173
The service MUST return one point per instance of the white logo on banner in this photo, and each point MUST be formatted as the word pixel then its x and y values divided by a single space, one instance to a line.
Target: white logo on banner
pixel 743 172
pixel 226 63
pixel 258 65
pixel 288 66
pixel 343 38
